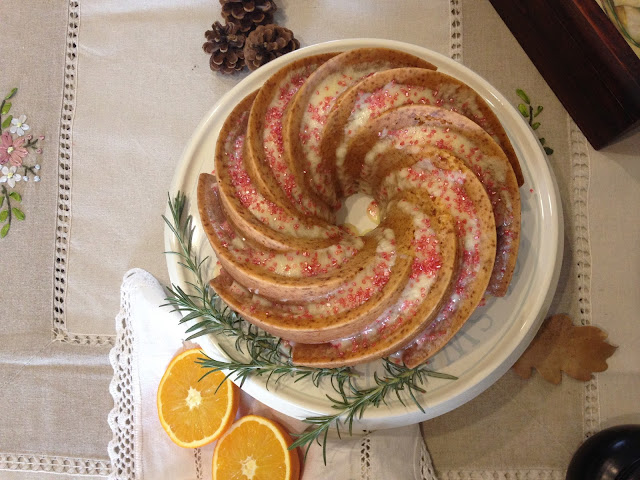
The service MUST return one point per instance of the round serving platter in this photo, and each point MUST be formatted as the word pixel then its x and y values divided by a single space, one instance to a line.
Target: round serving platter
pixel 495 335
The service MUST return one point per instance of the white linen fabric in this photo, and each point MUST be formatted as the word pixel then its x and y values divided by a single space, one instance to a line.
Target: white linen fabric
pixel 117 87
pixel 148 336
pixel 143 84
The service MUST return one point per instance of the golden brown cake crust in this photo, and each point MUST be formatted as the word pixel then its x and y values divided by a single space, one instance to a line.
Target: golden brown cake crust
pixel 263 280
pixel 257 163
pixel 318 329
pixel 443 91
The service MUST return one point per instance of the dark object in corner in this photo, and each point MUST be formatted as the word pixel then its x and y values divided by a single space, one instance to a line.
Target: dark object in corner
pixel 611 454
pixel 584 59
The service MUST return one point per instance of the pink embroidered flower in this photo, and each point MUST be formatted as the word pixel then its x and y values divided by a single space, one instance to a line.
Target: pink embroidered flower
pixel 12 150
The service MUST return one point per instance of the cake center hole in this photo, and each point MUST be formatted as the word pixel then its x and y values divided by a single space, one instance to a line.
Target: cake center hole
pixel 360 213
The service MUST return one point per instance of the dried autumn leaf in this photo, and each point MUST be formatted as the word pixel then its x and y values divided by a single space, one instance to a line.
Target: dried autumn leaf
pixel 560 346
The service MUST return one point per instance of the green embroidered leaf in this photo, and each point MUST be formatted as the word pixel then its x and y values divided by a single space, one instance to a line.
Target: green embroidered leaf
pixel 18 213
pixel 523 110
pixel 523 96
pixel 529 113
pixel 7 121
pixel 3 215
pixel 1 201
pixel 5 230
pixel 16 196
pixel 6 108
pixel 11 94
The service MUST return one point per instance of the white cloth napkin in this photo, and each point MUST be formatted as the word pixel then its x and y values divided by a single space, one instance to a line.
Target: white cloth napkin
pixel 148 337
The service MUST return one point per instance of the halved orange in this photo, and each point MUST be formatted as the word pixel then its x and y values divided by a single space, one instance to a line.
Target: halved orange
pixel 194 410
pixel 255 448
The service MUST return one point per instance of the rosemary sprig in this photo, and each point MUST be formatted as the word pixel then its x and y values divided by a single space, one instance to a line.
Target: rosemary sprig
pixel 259 367
pixel 353 401
pixel 203 307
pixel 183 231
pixel 528 112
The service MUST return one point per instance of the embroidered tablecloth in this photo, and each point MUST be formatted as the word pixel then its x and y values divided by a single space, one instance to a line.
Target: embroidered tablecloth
pixel 116 88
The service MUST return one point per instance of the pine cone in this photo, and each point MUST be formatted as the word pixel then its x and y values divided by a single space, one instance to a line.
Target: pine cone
pixel 267 42
pixel 225 45
pixel 247 14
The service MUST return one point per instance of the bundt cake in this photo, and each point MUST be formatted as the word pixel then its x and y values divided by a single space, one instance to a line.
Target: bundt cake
pixel 430 152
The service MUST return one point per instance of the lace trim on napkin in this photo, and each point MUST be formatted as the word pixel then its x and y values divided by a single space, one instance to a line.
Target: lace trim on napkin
pixel 427 472
pixel 52 464
pixel 63 220
pixel 197 458
pixel 121 419
pixel 425 467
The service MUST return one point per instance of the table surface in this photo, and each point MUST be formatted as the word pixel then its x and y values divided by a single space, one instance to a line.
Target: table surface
pixel 117 88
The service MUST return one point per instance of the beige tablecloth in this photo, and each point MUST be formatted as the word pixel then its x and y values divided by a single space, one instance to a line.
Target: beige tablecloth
pixel 118 87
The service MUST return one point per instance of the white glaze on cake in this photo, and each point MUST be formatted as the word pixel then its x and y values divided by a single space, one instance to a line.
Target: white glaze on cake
pixel 315 116
pixel 274 144
pixel 425 266
pixel 291 263
pixel 272 215
pixel 349 296
pixel 369 105
pixel 448 188
pixel 491 172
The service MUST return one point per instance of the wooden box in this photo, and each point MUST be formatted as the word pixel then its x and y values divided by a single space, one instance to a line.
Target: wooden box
pixel 585 60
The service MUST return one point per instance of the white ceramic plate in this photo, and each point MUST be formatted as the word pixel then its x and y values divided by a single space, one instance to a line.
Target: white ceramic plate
pixel 496 334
